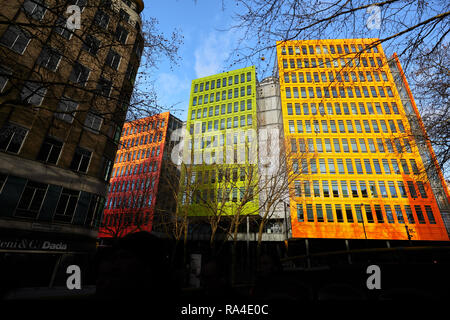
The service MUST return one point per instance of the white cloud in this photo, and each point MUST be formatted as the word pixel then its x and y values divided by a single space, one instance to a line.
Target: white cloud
pixel 173 92
pixel 170 83
pixel 210 56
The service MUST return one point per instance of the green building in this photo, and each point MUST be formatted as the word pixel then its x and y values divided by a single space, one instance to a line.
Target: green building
pixel 219 173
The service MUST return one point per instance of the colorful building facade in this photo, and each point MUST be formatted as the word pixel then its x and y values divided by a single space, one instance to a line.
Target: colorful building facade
pixel 219 162
pixel 134 186
pixel 363 176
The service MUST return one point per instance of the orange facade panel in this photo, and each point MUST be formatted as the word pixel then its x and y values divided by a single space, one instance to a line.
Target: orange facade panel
pixel 134 182
pixel 358 171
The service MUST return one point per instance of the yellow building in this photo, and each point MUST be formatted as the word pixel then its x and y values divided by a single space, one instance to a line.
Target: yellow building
pixel 364 176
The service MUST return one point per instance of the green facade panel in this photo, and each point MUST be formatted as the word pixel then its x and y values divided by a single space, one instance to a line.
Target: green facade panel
pixel 220 152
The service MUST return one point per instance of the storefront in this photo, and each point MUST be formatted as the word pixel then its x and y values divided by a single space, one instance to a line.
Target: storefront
pixel 40 259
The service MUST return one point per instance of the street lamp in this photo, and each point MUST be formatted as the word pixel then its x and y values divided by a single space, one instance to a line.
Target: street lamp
pixel 408 233
pixel 285 218
pixel 285 205
pixel 362 217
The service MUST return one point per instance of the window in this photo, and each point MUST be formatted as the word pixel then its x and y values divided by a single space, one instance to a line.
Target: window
pixel 15 39
pixel 124 16
pixel 383 190
pixel 300 214
pixel 402 189
pixel 66 110
pixel 404 166
pixel 378 213
pixel 354 189
pixel 113 59
pixel 409 214
pixel 368 166
pixel 395 108
pixel 79 74
pixel 369 215
pixel 389 145
pixel 336 145
pixel 93 121
pixel 412 189
pixel 430 214
pixel 414 166
pixel 4 77
pixel 104 87
pixel 50 150
pixel 61 27
pixel 91 45
pixel 288 93
pixel 130 75
pixel 331 167
pixel 366 126
pixel 399 214
pixel 371 145
pixel 407 145
pixel 67 204
pixel 326 189
pixel 354 145
pixel 49 58
pixel 82 3
pixel 345 146
pixel 33 93
pixel 295 168
pixel 12 137
pixel 318 144
pixel 364 192
pixel 386 167
pixel 362 145
pixel 373 189
pixel 31 199
pixel 341 126
pixel 392 189
pixel 328 145
pixel 398 145
pixel 121 34
pixel 335 188
pixel 34 8
pixel 101 19
pixel 310 213
pixel 339 216
pixel 81 159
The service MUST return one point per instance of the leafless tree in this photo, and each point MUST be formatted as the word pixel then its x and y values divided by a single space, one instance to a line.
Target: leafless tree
pixel 174 223
pixel 132 214
pixel 431 79
pixel 101 85
pixel 402 25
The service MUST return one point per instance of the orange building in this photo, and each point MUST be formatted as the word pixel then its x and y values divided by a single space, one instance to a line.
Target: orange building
pixel 134 186
pixel 350 125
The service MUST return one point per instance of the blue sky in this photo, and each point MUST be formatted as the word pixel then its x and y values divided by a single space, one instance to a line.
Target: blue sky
pixel 204 51
pixel 207 44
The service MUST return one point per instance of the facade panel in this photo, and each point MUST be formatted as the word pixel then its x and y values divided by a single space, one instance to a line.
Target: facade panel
pixel 366 176
pixel 219 161
pixel 134 185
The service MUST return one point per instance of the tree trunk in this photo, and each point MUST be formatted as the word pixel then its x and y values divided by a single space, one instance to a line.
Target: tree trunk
pixel 211 240
pixel 234 254
pixel 185 245
pixel 174 253
pixel 233 262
